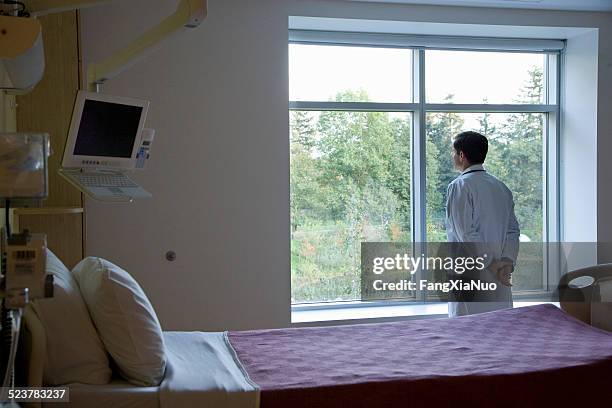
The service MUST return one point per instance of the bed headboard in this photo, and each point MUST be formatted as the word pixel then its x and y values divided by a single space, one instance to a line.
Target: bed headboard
pixel 579 301
pixel 31 353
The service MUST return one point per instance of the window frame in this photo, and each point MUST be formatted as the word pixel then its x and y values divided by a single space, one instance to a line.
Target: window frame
pixel 551 109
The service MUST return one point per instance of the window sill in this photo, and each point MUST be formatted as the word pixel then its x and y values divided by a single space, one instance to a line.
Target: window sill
pixel 378 313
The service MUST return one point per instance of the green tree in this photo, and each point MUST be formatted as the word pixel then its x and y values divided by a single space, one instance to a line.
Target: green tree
pixel 522 136
pixel 304 199
pixel 440 129
pixel 352 176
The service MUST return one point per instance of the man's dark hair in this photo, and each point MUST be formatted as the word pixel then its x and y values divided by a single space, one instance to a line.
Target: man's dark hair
pixel 473 145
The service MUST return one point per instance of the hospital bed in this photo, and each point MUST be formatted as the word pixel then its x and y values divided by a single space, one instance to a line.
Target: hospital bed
pixel 529 356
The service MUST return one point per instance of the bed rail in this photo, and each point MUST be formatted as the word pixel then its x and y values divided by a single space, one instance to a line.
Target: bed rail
pixel 576 298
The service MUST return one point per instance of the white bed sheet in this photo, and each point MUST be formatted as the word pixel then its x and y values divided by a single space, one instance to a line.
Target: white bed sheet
pixel 202 371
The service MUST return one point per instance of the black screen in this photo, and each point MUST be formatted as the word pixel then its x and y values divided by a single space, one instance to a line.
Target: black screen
pixel 107 129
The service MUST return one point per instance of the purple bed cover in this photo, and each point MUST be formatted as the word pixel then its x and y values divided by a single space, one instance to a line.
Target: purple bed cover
pixel 535 356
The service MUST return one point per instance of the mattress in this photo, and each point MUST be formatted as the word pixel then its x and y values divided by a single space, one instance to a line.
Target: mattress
pixel 526 357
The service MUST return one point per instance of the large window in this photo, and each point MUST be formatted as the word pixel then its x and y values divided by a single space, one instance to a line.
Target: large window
pixel 371 132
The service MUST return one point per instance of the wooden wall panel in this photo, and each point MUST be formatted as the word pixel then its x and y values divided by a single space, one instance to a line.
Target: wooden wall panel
pixel 63 231
pixel 48 109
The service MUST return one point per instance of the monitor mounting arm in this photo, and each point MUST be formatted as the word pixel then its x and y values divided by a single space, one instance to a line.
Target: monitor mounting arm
pixel 189 13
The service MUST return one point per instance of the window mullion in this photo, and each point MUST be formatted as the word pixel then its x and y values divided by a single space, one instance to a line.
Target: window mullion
pixel 352 106
pixel 419 221
pixel 552 218
pixel 489 108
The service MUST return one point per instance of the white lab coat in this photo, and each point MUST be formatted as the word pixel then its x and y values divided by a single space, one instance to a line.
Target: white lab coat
pixel 480 210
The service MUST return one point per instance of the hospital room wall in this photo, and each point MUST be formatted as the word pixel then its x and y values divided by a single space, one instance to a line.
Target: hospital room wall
pixel 578 151
pixel 219 171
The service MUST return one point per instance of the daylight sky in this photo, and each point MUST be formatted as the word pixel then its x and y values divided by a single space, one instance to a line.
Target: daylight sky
pixel 317 73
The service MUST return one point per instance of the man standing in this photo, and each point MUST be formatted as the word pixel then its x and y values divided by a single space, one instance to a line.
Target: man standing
pixel 480 211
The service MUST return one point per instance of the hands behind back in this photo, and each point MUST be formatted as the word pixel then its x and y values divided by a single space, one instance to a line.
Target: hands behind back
pixel 503 271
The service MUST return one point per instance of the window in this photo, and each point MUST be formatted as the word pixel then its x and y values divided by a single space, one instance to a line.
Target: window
pixel 350 183
pixel 371 130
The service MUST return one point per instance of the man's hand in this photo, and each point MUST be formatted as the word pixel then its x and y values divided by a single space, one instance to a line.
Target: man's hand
pixel 503 271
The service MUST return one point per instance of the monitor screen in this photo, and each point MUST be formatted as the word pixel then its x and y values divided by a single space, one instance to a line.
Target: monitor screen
pixel 107 129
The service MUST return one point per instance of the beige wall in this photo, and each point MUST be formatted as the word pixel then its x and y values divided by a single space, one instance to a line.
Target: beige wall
pixel 220 163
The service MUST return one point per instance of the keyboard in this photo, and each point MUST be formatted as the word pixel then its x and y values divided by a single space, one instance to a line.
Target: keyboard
pixel 103 180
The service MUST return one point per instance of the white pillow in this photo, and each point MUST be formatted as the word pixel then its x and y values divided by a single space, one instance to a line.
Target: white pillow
pixel 125 320
pixel 75 353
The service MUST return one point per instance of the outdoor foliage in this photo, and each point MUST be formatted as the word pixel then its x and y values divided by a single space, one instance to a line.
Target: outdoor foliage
pixel 350 183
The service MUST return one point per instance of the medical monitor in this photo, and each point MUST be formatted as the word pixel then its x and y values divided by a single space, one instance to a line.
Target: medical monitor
pixel 105 131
